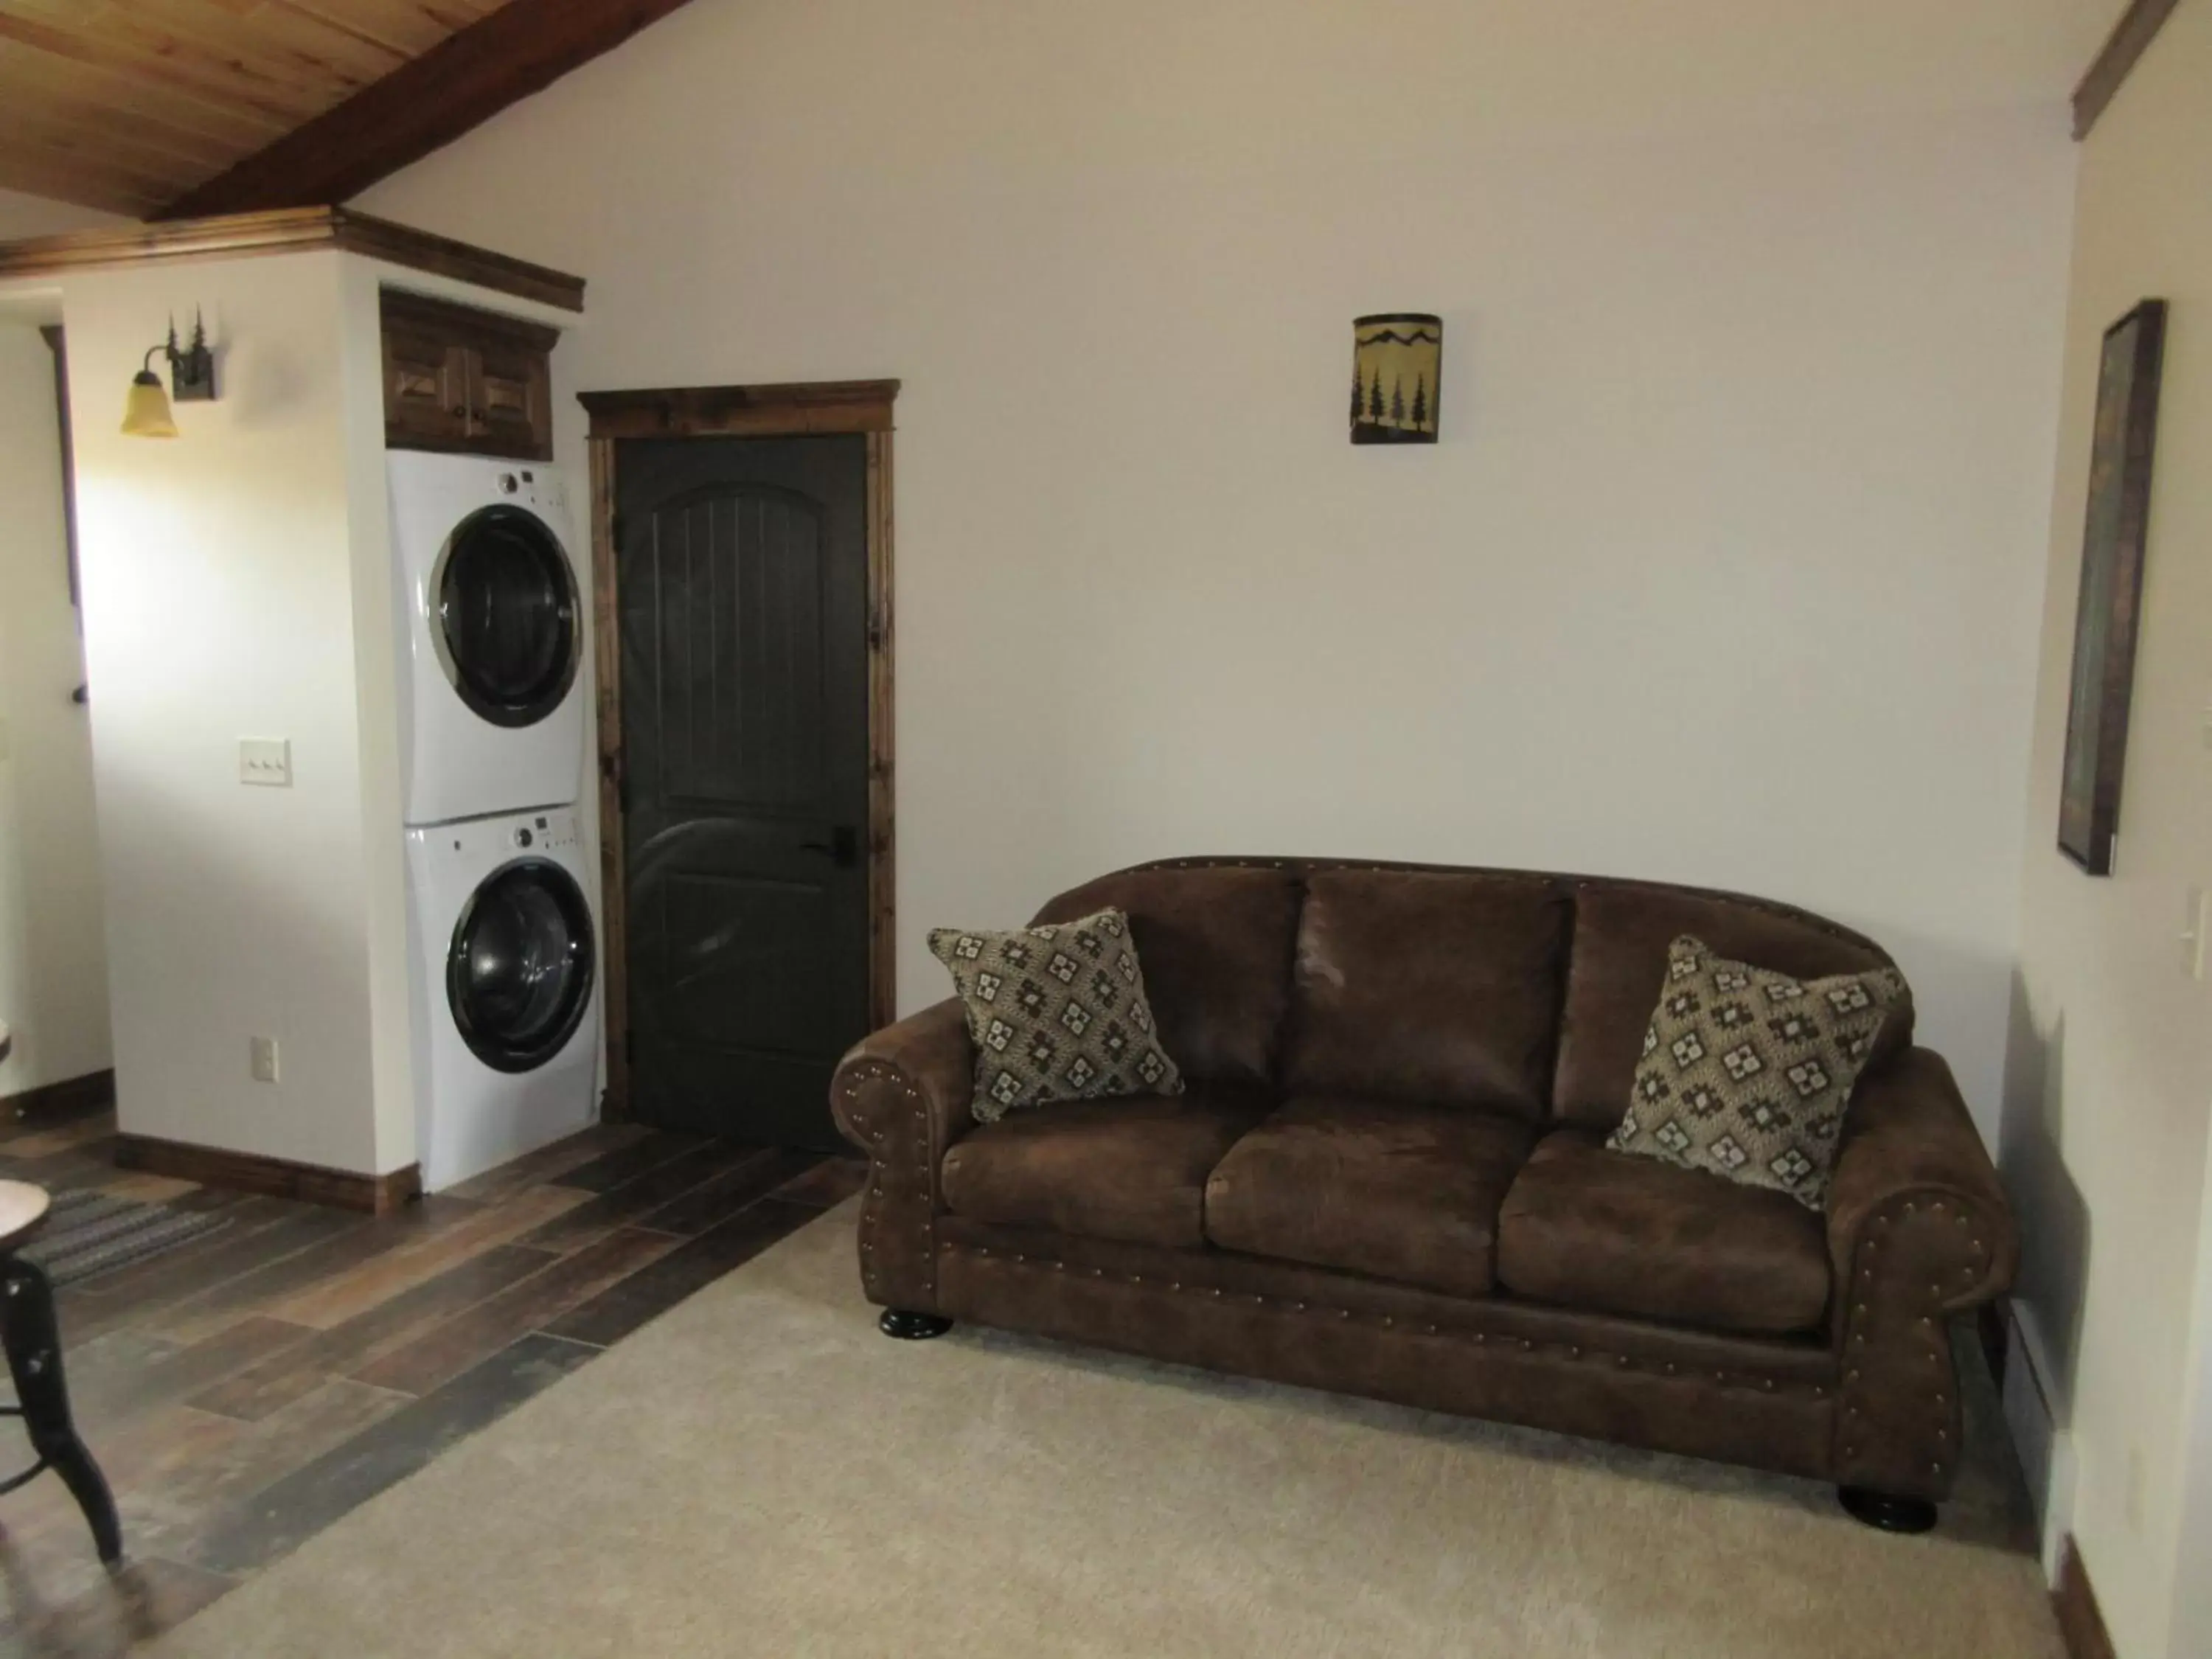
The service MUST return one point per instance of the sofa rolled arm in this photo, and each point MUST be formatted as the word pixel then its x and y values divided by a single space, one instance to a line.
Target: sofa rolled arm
pixel 902 1096
pixel 1918 1229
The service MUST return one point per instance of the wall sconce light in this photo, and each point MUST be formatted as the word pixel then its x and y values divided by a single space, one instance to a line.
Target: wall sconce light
pixel 192 376
pixel 1397 364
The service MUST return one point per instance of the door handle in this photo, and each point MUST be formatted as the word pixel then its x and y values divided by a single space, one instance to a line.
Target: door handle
pixel 843 846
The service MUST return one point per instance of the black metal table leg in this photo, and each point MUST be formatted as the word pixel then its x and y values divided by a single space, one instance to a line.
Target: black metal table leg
pixel 32 1340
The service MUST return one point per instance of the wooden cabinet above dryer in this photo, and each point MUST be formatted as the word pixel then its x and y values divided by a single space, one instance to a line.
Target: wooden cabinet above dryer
pixel 457 378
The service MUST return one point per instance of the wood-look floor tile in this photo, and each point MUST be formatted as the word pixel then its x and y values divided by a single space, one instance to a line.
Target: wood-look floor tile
pixel 245 1214
pixel 15 1126
pixel 177 1507
pixel 604 1211
pixel 285 1515
pixel 116 1613
pixel 109 1397
pixel 191 1271
pixel 629 1303
pixel 550 1162
pixel 60 1138
pixel 303 1367
pixel 446 1351
pixel 718 1199
pixel 112 1363
pixel 347 1295
pixel 610 1169
pixel 135 1458
pixel 265 1287
pixel 79 1169
pixel 828 1184
pixel 50 1138
pixel 140 1188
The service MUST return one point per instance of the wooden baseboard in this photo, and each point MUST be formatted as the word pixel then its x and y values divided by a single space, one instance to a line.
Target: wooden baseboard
pixel 95 1091
pixel 2079 1623
pixel 276 1177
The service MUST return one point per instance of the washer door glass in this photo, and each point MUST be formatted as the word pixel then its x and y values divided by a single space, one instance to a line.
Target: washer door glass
pixel 506 625
pixel 519 976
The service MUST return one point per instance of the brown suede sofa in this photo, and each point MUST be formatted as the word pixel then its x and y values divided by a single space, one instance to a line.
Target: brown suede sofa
pixel 1387 1177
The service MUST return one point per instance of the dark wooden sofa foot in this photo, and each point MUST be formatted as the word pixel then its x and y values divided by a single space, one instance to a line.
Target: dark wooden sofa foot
pixel 912 1326
pixel 1879 1509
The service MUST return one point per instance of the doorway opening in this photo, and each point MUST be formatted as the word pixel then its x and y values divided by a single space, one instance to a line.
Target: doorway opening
pixel 57 1053
pixel 741 555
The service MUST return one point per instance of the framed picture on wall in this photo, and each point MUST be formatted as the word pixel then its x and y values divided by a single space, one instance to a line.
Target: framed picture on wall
pixel 2106 620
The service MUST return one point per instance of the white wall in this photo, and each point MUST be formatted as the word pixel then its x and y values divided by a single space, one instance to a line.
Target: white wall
pixel 37 216
pixel 220 588
pixel 53 973
pixel 2111 1086
pixel 1725 570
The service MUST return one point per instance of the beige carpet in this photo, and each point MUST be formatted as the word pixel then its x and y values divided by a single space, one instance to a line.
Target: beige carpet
pixel 758 1472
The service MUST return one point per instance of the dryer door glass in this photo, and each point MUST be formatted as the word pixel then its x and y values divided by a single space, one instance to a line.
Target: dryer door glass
pixel 519 976
pixel 506 627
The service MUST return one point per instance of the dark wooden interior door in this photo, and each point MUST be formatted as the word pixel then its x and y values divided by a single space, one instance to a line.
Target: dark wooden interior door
pixel 742 573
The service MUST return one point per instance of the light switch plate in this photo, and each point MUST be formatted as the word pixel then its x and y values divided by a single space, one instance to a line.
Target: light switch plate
pixel 265 760
pixel 261 1059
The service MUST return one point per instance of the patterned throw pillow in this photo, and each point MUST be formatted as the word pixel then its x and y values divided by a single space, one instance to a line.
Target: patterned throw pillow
pixel 1058 1012
pixel 1747 1073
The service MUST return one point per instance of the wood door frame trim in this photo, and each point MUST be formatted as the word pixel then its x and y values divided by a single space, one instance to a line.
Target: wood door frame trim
pixel 798 410
pixel 2122 50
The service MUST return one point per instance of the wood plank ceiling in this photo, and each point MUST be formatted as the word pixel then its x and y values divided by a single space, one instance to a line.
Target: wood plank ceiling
pixel 126 105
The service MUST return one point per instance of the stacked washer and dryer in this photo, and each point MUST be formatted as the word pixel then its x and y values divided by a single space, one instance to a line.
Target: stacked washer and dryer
pixel 491 724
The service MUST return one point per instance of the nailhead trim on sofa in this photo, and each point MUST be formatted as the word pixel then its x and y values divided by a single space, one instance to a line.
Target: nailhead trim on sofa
pixel 882 1177
pixel 1929 1329
pixel 1749 1381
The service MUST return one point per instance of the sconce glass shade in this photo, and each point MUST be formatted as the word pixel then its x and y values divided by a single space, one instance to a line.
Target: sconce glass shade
pixel 146 411
pixel 1397 363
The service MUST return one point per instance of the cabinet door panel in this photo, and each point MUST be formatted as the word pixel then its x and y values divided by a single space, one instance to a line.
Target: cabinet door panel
pixel 509 398
pixel 425 389
pixel 462 378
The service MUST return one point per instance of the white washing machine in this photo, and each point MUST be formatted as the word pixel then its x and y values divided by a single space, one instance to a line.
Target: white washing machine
pixel 491 635
pixel 505 990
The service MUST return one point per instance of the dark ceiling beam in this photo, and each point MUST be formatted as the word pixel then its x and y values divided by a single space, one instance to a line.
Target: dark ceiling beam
pixel 427 102
pixel 2130 38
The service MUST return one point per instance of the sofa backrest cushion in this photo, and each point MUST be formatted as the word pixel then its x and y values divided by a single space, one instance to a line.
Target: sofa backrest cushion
pixel 1622 930
pixel 1441 988
pixel 1215 944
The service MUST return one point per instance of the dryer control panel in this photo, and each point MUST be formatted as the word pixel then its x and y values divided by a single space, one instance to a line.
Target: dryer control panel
pixel 538 488
pixel 544 832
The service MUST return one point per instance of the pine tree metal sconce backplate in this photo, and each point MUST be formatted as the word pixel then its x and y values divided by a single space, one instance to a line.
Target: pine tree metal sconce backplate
pixel 1397 367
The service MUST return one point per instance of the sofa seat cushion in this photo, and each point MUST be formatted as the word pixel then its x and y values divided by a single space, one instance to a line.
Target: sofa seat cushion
pixel 1397 1192
pixel 1131 1169
pixel 1584 1227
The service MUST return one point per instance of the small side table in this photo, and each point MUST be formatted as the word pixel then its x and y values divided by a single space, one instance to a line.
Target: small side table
pixel 32 1340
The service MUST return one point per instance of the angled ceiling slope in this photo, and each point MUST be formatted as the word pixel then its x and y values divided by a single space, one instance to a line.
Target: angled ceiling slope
pixel 170 108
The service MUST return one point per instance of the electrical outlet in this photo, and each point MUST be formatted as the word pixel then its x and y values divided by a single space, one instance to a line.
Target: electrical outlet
pixel 265 760
pixel 264 1058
